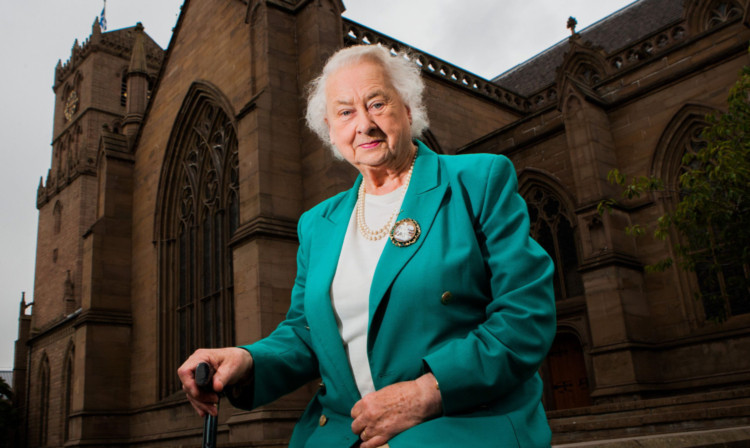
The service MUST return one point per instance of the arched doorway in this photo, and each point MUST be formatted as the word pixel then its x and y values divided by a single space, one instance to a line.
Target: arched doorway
pixel 566 381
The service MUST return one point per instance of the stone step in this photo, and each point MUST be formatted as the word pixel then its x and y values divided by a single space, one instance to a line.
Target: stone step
pixel 695 412
pixel 652 403
pixel 736 437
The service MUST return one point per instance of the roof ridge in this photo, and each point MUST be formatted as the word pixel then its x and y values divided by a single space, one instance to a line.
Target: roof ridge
pixel 612 33
pixel 564 40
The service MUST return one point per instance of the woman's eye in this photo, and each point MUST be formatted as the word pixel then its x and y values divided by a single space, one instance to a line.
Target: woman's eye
pixel 345 113
pixel 377 106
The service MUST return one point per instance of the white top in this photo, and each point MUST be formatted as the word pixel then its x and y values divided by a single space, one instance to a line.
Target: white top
pixel 350 290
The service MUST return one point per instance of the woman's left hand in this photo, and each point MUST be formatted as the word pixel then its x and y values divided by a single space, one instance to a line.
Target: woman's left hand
pixel 381 415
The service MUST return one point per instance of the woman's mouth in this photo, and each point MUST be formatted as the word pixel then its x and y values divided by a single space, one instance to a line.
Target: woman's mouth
pixel 370 145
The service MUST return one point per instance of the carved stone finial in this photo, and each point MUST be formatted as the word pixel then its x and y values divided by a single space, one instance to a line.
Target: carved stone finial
pixel 138 56
pixel 96 31
pixel 572 22
pixel 58 71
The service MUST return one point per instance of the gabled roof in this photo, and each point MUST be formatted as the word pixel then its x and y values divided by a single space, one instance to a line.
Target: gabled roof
pixel 614 32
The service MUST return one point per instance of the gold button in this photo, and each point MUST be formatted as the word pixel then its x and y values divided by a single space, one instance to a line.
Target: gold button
pixel 323 420
pixel 447 297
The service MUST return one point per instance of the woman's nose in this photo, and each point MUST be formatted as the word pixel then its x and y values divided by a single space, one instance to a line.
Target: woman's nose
pixel 365 124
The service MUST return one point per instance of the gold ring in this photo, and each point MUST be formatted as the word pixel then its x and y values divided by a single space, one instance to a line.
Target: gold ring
pixel 363 435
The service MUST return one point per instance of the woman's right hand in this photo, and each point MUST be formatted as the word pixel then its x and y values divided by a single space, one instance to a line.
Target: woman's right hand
pixel 231 365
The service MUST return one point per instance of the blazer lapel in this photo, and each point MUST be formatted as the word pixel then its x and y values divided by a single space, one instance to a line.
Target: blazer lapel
pixel 328 238
pixel 421 203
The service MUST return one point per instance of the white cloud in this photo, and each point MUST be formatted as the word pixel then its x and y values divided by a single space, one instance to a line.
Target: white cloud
pixel 483 36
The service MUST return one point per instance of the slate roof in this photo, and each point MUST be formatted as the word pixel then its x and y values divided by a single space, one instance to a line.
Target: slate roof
pixel 612 33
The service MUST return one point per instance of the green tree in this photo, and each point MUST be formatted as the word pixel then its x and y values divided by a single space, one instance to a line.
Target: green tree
pixel 712 216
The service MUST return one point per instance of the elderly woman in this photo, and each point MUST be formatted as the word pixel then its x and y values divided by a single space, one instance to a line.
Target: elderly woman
pixel 420 299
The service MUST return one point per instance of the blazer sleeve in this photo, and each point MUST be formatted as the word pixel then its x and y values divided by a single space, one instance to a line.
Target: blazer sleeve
pixel 284 360
pixel 508 347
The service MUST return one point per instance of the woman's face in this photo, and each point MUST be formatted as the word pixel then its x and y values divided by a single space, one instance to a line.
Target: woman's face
pixel 367 120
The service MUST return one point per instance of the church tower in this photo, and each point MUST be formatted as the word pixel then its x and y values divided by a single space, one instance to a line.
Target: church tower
pixel 93 90
pixel 101 94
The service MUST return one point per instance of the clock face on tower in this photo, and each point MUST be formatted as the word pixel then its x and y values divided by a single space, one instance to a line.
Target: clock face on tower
pixel 71 105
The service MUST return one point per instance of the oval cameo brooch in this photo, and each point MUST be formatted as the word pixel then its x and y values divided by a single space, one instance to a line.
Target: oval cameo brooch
pixel 405 232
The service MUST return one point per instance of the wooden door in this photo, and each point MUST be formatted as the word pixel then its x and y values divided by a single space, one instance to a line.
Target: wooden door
pixel 566 384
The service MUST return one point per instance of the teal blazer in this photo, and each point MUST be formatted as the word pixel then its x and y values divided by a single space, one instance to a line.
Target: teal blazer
pixel 471 300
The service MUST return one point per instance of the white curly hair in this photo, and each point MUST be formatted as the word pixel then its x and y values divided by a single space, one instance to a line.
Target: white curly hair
pixel 402 72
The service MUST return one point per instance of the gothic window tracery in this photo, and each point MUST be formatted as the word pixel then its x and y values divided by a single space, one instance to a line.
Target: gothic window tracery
pixel 721 12
pixel 551 227
pixel 588 74
pixel 204 214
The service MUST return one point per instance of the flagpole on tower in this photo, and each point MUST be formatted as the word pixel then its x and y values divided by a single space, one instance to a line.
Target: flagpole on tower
pixel 103 17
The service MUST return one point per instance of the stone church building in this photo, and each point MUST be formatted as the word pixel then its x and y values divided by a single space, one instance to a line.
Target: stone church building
pixel 167 220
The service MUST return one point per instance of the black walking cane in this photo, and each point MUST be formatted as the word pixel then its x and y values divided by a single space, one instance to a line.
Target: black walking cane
pixel 203 378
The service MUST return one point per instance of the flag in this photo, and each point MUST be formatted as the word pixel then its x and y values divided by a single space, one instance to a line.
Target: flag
pixel 103 17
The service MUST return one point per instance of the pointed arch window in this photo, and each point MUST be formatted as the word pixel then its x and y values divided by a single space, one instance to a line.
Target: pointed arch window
pixel 723 284
pixel 57 217
pixel 551 227
pixel 68 391
pixel 722 12
pixel 201 214
pixel 43 403
pixel 62 156
pixel 124 88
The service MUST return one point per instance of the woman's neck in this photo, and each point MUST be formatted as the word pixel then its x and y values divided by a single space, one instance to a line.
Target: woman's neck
pixel 384 179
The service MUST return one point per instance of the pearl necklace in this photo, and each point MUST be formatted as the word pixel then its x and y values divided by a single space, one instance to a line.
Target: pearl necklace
pixel 364 230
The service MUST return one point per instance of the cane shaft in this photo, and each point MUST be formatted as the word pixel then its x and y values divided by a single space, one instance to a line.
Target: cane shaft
pixel 209 431
pixel 203 378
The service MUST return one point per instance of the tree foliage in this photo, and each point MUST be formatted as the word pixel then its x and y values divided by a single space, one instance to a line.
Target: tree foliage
pixel 8 418
pixel 712 216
